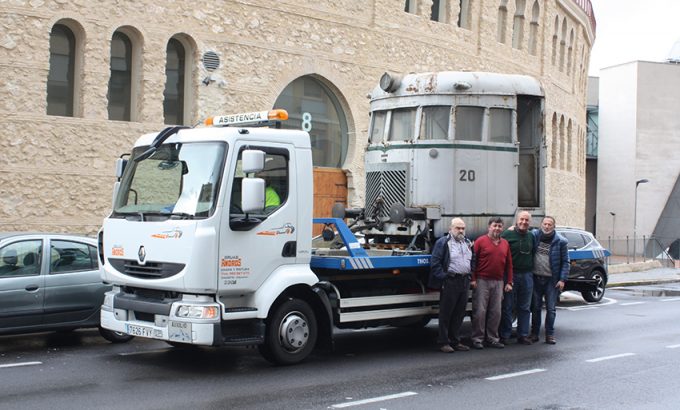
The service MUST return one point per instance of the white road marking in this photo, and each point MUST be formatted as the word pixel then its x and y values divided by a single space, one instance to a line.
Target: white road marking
pixel 672 346
pixel 373 400
pixel 616 356
pixel 577 308
pixel 632 303
pixel 143 352
pixel 609 301
pixel 670 300
pixel 4 366
pixel 508 375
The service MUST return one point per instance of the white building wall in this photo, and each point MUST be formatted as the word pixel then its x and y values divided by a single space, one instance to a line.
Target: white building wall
pixel 616 154
pixel 658 140
pixel 639 139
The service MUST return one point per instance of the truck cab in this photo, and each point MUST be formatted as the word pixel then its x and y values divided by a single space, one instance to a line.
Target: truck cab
pixel 190 244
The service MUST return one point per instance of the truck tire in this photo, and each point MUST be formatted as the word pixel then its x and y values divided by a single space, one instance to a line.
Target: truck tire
pixel 114 337
pixel 291 333
pixel 595 294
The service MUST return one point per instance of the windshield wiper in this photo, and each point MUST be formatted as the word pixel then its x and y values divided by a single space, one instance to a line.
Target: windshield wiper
pixel 181 215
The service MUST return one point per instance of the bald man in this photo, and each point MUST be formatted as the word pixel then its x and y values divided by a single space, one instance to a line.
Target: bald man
pixel 450 268
pixel 519 298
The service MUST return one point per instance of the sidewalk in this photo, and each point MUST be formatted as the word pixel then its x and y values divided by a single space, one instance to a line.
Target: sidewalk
pixel 641 273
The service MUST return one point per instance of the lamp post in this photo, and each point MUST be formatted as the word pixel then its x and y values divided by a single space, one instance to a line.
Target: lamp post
pixel 638 182
pixel 613 214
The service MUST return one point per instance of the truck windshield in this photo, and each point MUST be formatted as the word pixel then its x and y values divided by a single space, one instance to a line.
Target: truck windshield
pixel 178 180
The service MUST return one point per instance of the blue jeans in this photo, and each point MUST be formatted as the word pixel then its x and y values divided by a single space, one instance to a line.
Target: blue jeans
pixel 544 287
pixel 522 291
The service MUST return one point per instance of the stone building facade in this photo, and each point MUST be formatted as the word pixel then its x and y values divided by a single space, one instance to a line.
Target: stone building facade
pixel 56 171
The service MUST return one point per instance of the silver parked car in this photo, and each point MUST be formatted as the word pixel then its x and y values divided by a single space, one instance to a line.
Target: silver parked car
pixel 50 282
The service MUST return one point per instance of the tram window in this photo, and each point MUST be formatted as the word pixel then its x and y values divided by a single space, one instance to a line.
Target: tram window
pixel 435 123
pixel 402 124
pixel 500 125
pixel 378 127
pixel 469 123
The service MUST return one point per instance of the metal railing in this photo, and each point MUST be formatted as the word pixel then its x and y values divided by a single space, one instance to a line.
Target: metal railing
pixel 586 6
pixel 626 250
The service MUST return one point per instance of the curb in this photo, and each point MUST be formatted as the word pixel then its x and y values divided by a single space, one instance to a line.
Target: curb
pixel 642 282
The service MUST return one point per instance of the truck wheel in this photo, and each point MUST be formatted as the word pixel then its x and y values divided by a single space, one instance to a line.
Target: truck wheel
pixel 291 333
pixel 595 294
pixel 114 337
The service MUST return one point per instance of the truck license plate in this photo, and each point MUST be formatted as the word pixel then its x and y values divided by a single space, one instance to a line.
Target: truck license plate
pixel 179 331
pixel 142 331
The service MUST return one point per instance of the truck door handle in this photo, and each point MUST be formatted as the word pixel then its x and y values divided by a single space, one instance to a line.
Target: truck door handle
pixel 289 249
pixel 32 288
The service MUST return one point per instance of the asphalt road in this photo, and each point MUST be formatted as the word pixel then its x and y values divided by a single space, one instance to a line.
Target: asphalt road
pixel 623 353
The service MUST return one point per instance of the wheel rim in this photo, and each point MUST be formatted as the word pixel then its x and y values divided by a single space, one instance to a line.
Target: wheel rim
pixel 294 332
pixel 599 286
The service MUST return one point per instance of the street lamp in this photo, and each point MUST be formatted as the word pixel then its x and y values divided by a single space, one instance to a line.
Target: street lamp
pixel 613 214
pixel 638 182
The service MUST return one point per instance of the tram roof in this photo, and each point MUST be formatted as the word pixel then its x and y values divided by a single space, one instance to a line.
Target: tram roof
pixel 456 82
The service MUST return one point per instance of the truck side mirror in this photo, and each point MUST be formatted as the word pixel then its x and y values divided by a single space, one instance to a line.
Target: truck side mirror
pixel 121 163
pixel 252 161
pixel 252 195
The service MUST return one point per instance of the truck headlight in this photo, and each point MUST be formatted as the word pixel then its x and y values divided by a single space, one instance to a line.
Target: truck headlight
pixel 197 312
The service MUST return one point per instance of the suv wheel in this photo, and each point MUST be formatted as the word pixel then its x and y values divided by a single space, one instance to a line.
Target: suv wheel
pixel 597 292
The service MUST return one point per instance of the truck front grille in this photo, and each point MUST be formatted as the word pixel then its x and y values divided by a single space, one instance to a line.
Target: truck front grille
pixel 150 270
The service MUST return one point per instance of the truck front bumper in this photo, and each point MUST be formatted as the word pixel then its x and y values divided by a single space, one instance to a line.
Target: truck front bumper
pixel 158 320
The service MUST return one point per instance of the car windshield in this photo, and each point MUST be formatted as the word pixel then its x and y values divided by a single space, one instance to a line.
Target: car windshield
pixel 177 180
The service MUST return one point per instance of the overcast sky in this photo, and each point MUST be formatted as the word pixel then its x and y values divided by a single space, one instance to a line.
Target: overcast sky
pixel 629 30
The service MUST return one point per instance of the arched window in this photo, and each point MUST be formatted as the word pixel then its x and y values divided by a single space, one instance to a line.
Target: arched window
pixel 554 40
pixel 518 24
pixel 502 21
pixel 120 82
pixel 570 142
pixel 173 95
pixel 563 43
pixel 555 143
pixel 439 11
pixel 465 16
pixel 533 28
pixel 314 108
pixel 60 78
pixel 562 143
pixel 570 53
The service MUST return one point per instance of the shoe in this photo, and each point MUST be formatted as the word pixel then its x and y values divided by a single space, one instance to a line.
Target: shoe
pixel 478 346
pixel 503 340
pixel 447 349
pixel 524 340
pixel 460 347
pixel 496 345
pixel 550 340
pixel 534 338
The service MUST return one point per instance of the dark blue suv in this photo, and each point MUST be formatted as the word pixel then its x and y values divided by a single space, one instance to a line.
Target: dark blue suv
pixel 588 272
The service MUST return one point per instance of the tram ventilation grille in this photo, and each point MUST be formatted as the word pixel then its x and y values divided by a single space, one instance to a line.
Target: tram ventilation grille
pixel 388 185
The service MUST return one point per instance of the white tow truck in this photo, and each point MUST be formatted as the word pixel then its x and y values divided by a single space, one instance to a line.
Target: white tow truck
pixel 210 243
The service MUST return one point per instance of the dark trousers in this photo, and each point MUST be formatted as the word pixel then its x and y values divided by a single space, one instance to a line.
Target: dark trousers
pixel 453 299
pixel 544 287
pixel 519 300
